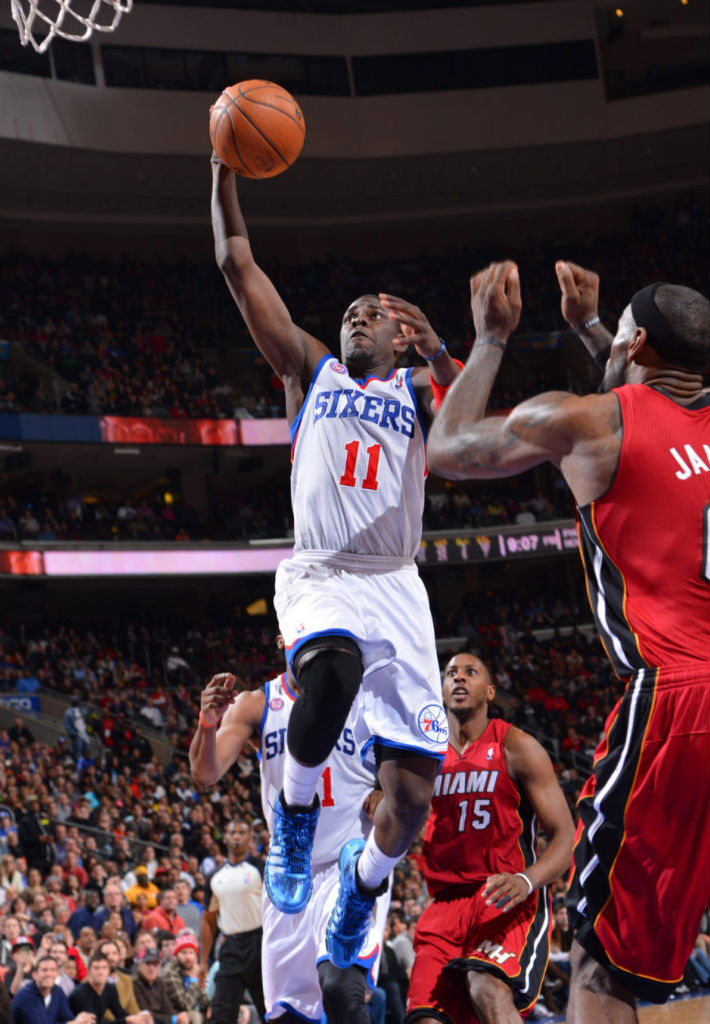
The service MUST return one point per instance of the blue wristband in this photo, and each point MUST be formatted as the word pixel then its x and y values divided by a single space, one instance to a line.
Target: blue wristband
pixel 442 349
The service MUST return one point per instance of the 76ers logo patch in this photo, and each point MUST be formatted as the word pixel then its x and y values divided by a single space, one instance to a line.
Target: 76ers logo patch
pixel 433 723
pixel 275 704
pixel 338 368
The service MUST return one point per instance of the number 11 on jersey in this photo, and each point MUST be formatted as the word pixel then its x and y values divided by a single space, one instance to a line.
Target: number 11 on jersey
pixel 369 482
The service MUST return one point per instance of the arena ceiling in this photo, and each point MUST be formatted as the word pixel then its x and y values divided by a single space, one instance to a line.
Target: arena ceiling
pixel 55 184
pixel 341 6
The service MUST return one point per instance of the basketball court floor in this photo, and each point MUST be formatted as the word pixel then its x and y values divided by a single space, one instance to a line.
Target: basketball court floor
pixel 693 1009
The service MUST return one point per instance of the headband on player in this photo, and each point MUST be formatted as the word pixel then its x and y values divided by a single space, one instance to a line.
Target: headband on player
pixel 661 335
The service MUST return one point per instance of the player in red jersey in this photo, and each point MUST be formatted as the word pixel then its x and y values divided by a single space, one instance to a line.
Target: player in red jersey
pixel 482 946
pixel 637 459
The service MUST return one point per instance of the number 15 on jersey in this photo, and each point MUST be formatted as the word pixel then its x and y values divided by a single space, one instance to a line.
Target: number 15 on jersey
pixel 480 816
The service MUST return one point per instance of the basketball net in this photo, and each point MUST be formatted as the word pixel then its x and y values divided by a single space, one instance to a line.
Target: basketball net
pixel 39 21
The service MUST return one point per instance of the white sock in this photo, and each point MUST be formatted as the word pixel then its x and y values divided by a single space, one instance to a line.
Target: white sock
pixel 300 781
pixel 373 865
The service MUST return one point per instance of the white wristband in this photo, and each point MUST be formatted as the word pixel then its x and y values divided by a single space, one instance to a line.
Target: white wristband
pixel 588 324
pixel 521 874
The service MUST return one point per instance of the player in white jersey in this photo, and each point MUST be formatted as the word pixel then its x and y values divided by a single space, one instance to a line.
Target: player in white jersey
pixel 350 603
pixel 299 982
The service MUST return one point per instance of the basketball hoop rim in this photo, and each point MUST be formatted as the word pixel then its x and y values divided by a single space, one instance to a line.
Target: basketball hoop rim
pixel 31 20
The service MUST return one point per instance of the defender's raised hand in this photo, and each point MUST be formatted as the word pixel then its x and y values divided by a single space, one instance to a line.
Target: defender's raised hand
pixel 580 293
pixel 495 300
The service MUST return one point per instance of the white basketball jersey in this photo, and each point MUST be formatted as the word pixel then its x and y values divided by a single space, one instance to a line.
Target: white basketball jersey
pixel 342 787
pixel 359 464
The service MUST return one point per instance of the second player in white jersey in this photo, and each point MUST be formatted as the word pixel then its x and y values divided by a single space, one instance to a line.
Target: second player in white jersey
pixel 359 465
pixel 294 945
pixel 344 784
pixel 294 959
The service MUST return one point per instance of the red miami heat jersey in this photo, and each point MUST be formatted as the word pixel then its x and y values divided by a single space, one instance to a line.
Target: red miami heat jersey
pixel 645 543
pixel 480 823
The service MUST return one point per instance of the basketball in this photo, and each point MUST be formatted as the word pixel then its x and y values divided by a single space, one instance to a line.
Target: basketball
pixel 257 128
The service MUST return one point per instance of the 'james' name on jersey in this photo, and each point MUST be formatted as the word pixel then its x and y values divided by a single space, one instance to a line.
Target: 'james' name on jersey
pixel 690 462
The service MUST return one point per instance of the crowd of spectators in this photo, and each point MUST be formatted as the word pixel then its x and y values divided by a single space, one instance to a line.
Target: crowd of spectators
pixel 475 506
pixel 136 676
pixel 550 676
pixel 129 337
pixel 260 513
pixel 48 516
pixel 31 512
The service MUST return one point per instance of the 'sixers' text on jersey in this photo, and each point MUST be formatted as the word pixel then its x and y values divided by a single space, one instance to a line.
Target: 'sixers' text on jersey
pixel 359 464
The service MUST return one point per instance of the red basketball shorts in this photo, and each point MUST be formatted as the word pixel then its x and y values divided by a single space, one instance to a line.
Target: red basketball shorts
pixel 641 873
pixel 456 934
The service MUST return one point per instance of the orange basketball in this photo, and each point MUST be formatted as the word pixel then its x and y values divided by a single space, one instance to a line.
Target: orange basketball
pixel 257 128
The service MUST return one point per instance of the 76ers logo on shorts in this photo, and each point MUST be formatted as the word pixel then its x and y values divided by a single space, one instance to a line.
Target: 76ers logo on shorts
pixel 275 704
pixel 433 723
pixel 338 368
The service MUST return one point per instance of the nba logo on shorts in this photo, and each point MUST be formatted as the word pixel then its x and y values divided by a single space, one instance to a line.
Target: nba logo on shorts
pixel 275 704
pixel 433 723
pixel 339 368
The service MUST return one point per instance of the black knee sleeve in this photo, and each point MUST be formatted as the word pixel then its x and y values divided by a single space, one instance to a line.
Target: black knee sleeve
pixel 329 681
pixel 343 994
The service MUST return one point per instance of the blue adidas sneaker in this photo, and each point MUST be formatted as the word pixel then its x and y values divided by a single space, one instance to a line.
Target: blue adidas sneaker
pixel 350 918
pixel 287 874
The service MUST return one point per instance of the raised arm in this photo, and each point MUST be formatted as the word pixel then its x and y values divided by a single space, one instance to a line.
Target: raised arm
pixel 292 352
pixel 579 435
pixel 530 766
pixel 462 444
pixel 580 308
pixel 226 724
